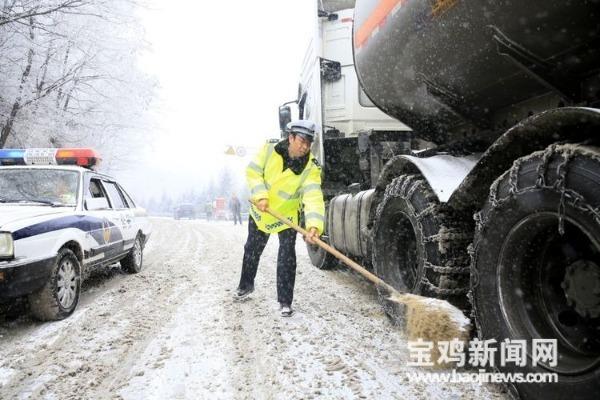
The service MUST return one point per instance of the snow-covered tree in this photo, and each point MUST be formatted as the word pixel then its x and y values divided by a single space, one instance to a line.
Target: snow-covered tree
pixel 69 76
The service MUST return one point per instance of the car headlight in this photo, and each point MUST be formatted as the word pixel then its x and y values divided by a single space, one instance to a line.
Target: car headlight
pixel 7 248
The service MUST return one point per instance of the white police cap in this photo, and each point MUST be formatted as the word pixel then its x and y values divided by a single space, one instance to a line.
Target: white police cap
pixel 302 127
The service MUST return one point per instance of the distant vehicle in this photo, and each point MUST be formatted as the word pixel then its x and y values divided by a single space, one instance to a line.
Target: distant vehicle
pixel 220 211
pixel 185 211
pixel 57 222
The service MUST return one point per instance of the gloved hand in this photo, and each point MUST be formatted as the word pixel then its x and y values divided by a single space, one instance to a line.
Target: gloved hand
pixel 262 204
pixel 313 233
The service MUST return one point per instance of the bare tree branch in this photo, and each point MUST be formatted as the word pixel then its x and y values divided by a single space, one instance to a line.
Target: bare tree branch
pixel 36 11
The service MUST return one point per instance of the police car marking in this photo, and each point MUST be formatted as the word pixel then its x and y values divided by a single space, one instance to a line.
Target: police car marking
pixel 92 225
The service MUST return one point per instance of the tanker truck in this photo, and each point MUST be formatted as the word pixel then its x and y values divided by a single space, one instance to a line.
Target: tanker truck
pixel 487 194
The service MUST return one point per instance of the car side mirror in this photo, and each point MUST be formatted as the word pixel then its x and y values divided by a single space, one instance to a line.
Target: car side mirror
pixel 96 203
pixel 285 117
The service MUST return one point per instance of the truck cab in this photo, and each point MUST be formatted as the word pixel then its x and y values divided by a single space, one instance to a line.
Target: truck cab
pixel 329 94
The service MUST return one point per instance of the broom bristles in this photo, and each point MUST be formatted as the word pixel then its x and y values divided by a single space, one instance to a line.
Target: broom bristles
pixel 432 320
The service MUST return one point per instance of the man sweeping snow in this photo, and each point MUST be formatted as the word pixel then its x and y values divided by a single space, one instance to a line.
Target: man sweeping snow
pixel 283 176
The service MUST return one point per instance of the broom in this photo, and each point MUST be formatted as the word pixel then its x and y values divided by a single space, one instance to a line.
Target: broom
pixel 425 318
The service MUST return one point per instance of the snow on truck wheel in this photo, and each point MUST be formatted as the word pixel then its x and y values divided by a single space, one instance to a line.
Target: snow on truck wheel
pixel 417 248
pixel 536 266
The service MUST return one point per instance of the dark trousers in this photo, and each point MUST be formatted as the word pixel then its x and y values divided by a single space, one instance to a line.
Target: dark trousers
pixel 237 217
pixel 286 260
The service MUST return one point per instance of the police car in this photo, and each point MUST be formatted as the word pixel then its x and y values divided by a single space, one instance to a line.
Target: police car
pixel 58 220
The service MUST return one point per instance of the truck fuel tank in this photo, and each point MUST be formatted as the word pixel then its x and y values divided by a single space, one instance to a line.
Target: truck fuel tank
pixel 347 220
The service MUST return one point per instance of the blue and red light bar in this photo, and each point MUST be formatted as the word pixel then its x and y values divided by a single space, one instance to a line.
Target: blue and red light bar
pixel 12 157
pixel 84 157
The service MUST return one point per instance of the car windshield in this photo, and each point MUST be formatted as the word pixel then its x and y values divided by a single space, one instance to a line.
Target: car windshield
pixel 44 186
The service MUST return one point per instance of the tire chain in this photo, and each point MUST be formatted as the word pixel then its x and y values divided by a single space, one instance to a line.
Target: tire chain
pixel 568 152
pixel 408 185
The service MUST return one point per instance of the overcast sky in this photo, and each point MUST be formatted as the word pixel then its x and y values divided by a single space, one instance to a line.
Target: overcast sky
pixel 223 69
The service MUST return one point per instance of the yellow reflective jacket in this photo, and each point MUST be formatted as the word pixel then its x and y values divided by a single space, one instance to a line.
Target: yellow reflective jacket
pixel 285 191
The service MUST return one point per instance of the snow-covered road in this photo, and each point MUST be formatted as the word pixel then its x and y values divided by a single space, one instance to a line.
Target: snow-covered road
pixel 173 332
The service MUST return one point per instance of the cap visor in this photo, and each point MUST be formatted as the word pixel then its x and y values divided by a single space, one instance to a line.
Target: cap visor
pixel 309 138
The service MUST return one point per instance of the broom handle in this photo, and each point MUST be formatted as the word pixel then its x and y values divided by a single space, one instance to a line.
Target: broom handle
pixel 355 266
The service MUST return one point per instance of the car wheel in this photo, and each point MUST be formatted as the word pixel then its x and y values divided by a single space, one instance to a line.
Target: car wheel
pixel 132 263
pixel 417 247
pixel 536 266
pixel 60 296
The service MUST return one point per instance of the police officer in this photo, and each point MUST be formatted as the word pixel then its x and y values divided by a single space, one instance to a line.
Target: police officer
pixel 283 177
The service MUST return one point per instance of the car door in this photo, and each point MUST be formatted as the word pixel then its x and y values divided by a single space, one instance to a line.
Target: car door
pixel 123 214
pixel 139 220
pixel 104 235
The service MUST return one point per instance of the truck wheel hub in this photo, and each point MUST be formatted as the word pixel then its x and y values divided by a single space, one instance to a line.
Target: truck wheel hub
pixel 582 288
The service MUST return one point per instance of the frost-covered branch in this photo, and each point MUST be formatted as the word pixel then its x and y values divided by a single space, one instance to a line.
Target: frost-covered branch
pixel 30 9
pixel 69 76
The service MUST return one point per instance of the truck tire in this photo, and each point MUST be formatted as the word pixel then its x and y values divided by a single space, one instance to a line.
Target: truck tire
pixel 418 248
pixel 536 266
pixel 320 258
pixel 60 296
pixel 132 263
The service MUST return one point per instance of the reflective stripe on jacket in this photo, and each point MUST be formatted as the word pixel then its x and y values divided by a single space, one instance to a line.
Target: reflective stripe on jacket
pixel 285 191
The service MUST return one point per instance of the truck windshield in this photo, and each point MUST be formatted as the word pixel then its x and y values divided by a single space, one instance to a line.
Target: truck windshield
pixel 44 186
